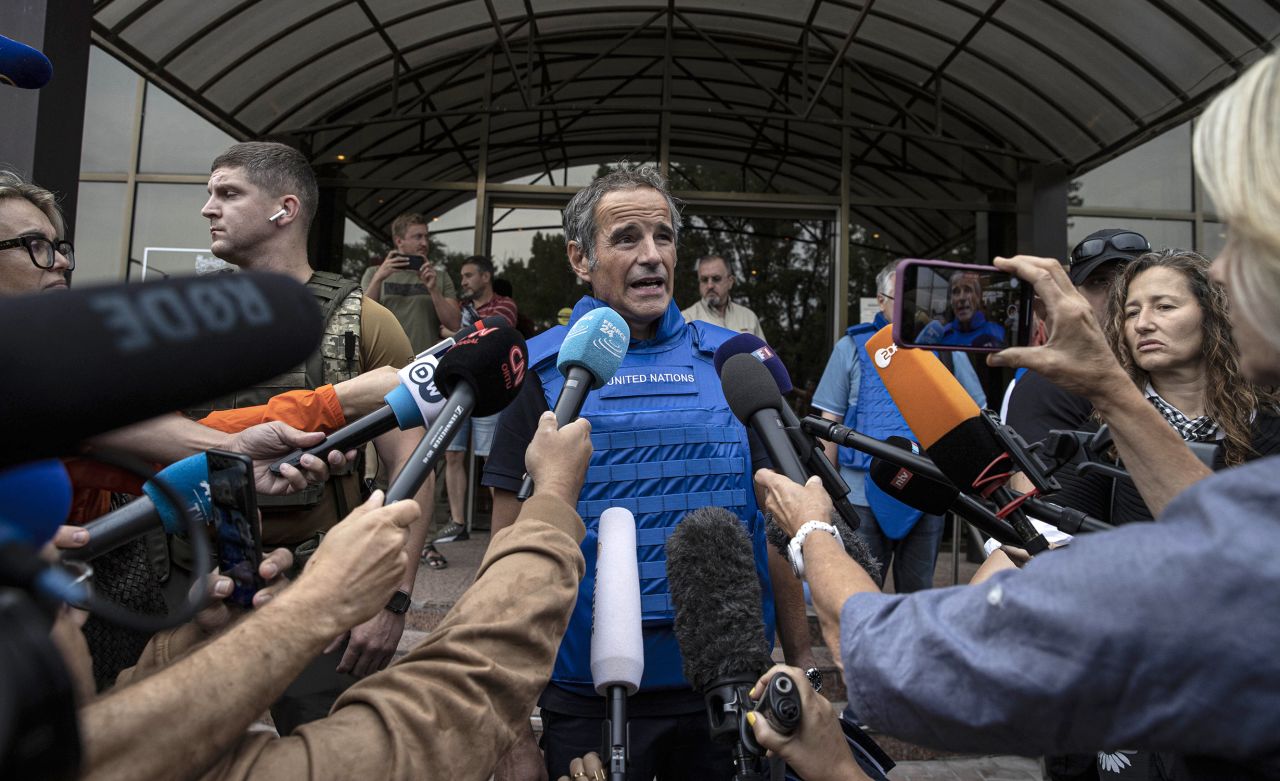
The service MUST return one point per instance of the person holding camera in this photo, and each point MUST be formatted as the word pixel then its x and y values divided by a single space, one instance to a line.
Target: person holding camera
pixel 421 296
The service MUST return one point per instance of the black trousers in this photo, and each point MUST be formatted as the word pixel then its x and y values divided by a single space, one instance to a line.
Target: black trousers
pixel 670 748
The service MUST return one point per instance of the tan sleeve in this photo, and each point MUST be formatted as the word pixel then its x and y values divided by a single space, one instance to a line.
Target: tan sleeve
pixel 383 341
pixel 455 701
pixel 162 650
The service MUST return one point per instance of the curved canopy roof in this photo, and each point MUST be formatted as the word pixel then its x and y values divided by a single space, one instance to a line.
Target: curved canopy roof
pixel 943 100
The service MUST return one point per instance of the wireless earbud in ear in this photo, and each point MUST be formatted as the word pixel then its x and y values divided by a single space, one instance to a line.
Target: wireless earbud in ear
pixel 278 215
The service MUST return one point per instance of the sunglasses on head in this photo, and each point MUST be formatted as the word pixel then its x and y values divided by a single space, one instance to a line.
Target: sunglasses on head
pixel 1122 242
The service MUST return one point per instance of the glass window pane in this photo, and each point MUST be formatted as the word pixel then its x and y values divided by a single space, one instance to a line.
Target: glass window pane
pixel 99 229
pixel 110 97
pixel 168 216
pixel 1212 239
pixel 1161 233
pixel 1156 175
pixel 175 140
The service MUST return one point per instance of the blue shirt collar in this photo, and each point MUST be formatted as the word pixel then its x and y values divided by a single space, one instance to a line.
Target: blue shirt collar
pixel 671 325
pixel 977 321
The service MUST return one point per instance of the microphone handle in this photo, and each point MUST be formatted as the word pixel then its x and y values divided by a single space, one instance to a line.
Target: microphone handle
pixel 1067 519
pixel 843 435
pixel 577 384
pixel 349 436
pixel 816 460
pixel 116 528
pixel 978 514
pixel 616 732
pixel 1033 541
pixel 767 424
pixel 423 461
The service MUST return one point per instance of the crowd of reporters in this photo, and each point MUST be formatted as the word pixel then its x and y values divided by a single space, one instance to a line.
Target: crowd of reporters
pixel 1155 638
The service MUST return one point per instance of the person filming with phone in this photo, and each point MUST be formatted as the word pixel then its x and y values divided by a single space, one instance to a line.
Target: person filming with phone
pixel 421 296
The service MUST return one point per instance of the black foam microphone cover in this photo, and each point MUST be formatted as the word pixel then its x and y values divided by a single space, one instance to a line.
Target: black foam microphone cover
pixel 712 576
pixel 492 361
pixel 93 359
pixel 748 387
pixel 912 489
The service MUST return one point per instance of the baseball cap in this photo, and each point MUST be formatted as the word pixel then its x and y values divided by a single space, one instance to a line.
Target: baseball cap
pixel 1109 245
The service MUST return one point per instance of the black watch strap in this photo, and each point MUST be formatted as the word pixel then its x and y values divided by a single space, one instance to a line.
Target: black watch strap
pixel 399 603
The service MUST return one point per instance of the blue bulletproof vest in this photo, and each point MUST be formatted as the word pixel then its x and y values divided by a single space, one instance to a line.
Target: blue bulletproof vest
pixel 665 443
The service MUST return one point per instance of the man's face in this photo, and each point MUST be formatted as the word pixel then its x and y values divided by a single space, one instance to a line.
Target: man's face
pixel 18 275
pixel 714 283
pixel 636 257
pixel 965 296
pixel 414 241
pixel 884 300
pixel 238 213
pixel 475 283
pixel 1096 288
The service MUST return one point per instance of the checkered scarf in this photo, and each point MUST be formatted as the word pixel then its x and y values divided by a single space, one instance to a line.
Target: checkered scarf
pixel 1201 429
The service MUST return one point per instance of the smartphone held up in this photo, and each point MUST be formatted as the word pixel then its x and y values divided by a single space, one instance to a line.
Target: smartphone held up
pixel 941 305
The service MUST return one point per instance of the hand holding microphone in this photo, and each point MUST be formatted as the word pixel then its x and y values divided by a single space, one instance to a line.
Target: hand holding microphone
pixel 557 457
pixel 815 748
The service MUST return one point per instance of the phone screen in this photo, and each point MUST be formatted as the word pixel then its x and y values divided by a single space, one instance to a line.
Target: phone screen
pixel 238 541
pixel 415 261
pixel 953 306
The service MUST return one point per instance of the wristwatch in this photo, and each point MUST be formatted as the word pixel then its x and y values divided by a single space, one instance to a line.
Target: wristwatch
pixel 797 542
pixel 399 603
pixel 815 678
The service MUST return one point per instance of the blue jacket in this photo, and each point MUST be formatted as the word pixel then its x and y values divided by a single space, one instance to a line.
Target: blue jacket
pixel 876 415
pixel 980 333
pixel 665 442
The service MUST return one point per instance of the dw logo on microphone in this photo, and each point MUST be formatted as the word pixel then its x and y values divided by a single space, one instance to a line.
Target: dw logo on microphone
pixel 885 355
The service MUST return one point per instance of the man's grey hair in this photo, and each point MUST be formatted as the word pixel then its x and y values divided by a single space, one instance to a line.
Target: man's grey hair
pixel 580 215
pixel 697 264
pixel 14 185
pixel 884 279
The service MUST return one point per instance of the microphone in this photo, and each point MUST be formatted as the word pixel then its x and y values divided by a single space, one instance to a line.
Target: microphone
pixel 22 66
pixel 415 402
pixel 951 429
pixel 481 374
pixel 753 397
pixel 188 477
pixel 617 644
pixel 811 454
pixel 719 624
pixel 35 499
pixel 142 350
pixel 589 357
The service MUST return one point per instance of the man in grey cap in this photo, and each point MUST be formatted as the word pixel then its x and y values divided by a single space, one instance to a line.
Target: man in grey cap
pixel 1097 259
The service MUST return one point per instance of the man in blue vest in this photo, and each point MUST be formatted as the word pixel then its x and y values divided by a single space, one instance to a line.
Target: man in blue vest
pixel 969 327
pixel 665 409
pixel 851 392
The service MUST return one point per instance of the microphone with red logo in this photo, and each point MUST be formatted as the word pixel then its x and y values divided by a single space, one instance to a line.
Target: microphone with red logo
pixel 481 374
pixel 589 357
pixel 960 440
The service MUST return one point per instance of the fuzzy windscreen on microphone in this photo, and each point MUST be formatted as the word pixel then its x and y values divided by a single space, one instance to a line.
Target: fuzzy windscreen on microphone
pixel 750 344
pixel 492 361
pixel 748 387
pixel 719 623
pixel 853 544
pixel 914 490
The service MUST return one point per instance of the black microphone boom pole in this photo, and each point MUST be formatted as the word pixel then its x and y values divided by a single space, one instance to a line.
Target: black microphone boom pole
pixel 456 410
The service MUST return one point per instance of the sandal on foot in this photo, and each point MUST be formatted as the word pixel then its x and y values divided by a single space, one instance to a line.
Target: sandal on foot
pixel 434 558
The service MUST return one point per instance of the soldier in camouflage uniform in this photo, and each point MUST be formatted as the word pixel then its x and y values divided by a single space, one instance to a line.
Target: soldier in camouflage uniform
pixel 262 198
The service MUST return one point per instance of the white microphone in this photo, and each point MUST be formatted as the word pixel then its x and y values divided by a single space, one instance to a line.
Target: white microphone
pixel 617 645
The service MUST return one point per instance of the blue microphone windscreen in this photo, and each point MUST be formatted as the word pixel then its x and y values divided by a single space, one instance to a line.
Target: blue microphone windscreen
pixel 402 405
pixel 23 66
pixel 757 348
pixel 34 501
pixel 597 343
pixel 189 478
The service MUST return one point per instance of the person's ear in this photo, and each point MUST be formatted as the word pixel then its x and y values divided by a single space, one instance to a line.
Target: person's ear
pixel 578 262
pixel 291 207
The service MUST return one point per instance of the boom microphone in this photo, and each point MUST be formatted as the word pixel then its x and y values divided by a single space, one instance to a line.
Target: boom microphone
pixel 481 374
pixel 949 426
pixel 22 66
pixel 136 351
pixel 589 357
pixel 413 403
pixel 617 643
pixel 753 396
pixel 188 477
pixel 719 623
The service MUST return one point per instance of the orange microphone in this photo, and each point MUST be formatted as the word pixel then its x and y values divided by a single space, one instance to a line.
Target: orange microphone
pixel 954 433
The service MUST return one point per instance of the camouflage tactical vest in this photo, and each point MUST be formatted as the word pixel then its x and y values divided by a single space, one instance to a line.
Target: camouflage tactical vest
pixel 337 360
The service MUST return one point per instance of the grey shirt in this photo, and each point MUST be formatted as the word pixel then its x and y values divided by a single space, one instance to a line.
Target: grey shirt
pixel 1161 636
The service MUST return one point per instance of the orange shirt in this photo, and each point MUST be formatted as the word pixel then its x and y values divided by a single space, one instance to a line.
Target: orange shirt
pixel 317 410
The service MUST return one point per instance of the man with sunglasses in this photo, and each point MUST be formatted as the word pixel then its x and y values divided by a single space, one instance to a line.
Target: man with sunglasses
pixel 33 255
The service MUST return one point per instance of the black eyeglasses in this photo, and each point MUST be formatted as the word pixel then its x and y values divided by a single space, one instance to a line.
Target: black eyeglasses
pixel 42 251
pixel 1123 242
